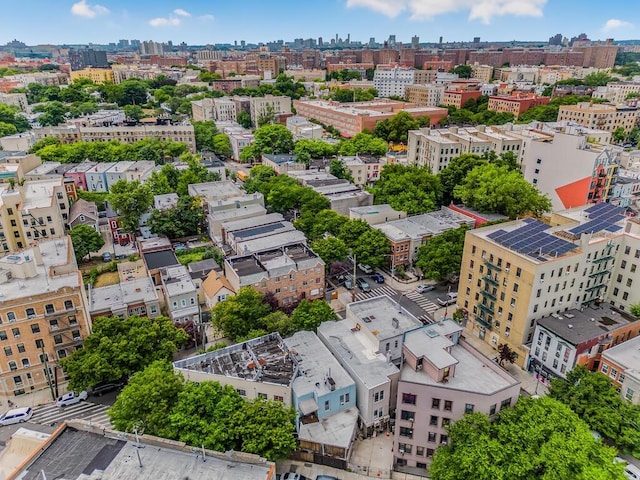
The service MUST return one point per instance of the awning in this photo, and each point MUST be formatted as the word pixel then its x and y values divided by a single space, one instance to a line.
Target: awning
pixel 308 406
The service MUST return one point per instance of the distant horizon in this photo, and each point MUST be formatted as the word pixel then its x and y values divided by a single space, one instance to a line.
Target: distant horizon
pixel 196 22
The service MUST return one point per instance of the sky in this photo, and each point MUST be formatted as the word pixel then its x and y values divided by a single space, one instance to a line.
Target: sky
pixel 202 22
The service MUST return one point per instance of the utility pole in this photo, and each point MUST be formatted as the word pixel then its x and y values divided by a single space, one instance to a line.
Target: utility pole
pixel 355 273
pixel 47 372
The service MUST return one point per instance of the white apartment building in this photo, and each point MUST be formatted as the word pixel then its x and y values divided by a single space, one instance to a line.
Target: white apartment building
pixel 214 109
pixel 392 81
pixel 14 100
pixel 429 95
pixel 239 137
pixel 616 92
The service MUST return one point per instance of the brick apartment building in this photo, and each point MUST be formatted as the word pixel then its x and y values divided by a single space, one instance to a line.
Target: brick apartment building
pixel 516 103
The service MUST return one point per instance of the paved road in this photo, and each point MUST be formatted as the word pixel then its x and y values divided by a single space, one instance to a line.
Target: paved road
pixel 51 414
pixel 416 303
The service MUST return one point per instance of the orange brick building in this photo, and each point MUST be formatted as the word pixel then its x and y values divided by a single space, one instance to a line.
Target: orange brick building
pixel 517 103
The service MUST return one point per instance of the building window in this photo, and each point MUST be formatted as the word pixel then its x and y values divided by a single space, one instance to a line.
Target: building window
pixel 407 415
pixel 53 324
pixel 62 353
pixel 48 308
pixel 613 373
pixel 433 420
pixel 629 394
pixel 39 343
pixel 35 328
pixel 431 437
pixel 406 432
pixel 468 408
pixel 435 403
pixel 420 451
pixel 505 403
pixel 30 312
pixel 448 404
pixel 262 396
pixel 57 339
pixel 444 439
pixel 11 317
pixel 7 351
pixel 492 409
pixel 378 396
pixel 3 335
pixel 15 332
pixel 68 304
pixel 241 392
pixel 326 405
pixel 13 366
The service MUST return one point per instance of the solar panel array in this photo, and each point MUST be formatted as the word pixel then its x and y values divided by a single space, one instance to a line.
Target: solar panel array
pixel 602 216
pixel 532 240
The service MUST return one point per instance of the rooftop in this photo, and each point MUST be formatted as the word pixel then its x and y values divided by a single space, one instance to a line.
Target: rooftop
pixel 336 430
pixel 114 297
pixel 578 326
pixel 220 190
pixel 427 224
pixel 357 353
pixel 177 281
pixel 627 354
pixel 166 201
pixel 281 159
pixel 383 317
pixel 259 244
pixel 76 453
pixel 264 359
pixel 164 258
pixel 234 225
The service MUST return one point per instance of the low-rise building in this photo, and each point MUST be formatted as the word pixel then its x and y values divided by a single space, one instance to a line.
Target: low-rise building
pixel 216 288
pixel 302 128
pixel 239 137
pixel 283 163
pixel 442 378
pixel 458 98
pixel 18 100
pixel 96 177
pixel 83 213
pixel 364 169
pixel 621 364
pixel 15 166
pixel 228 228
pixel 516 103
pixel 578 337
pixel 78 174
pixel 376 214
pixel 291 273
pixel 262 237
pixel 166 201
pixel 180 294
pixel 246 207
pixel 136 297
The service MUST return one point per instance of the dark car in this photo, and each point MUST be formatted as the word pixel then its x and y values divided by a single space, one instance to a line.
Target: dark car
pixel 107 387
pixel 377 277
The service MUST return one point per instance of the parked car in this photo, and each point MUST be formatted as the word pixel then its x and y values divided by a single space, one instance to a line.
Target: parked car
pixel 326 477
pixel 106 257
pixel 446 301
pixel 16 415
pixel 363 285
pixel 179 247
pixel 425 288
pixel 365 268
pixel 71 398
pixel 377 277
pixel 107 387
pixel 453 295
pixel 292 476
pixel 348 283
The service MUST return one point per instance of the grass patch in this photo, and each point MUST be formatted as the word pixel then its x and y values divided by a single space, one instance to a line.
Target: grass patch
pixel 200 253
pixel 107 278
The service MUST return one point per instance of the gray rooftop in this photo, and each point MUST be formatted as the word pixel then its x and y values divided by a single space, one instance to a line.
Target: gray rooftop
pixel 234 225
pixel 627 354
pixel 578 326
pixel 166 201
pixel 280 159
pixel 114 297
pixel 215 190
pixel 316 363
pixel 229 214
pixel 337 430
pixel 384 316
pixel 425 225
pixel 163 258
pixel 264 359
pixel 276 240
pixel 359 356
pixel 78 454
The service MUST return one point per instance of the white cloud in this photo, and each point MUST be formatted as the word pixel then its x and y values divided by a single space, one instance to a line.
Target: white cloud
pixel 614 23
pixel 483 10
pixel 83 9
pixel 181 12
pixel 207 17
pixel 165 22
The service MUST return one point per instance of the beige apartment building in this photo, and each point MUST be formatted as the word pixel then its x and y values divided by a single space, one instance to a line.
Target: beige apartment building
pixel 44 316
pixel 214 109
pixel 428 95
pixel 516 273
pixel 269 105
pixel 600 116
pixel 32 212
pixel 482 72
pixel 96 75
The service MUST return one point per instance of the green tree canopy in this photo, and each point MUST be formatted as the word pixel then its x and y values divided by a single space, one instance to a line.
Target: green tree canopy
pixel 222 145
pixel 455 173
pixel 119 347
pixel 463 71
pixel 204 133
pixel 338 169
pixel 441 256
pixel 186 219
pixel 244 119
pixel 315 148
pixel 274 139
pixel 408 188
pixel 85 240
pixel 489 188
pixel 396 128
pixel 363 143
pixel 373 248
pixel 330 249
pixel 130 200
pixel 536 439
pixel 309 314
pixel 241 313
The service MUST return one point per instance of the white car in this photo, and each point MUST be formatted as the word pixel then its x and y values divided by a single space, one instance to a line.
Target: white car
pixel 16 415
pixel 71 398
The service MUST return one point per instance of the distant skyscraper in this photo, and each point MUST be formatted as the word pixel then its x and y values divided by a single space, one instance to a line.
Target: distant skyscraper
pixel 556 39
pixel 392 40
pixel 135 43
pixel 415 41
pixel 476 40
pixel 80 59
pixel 123 43
pixel 372 41
pixel 320 44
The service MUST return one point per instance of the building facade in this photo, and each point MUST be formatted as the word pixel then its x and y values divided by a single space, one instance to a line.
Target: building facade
pixel 600 116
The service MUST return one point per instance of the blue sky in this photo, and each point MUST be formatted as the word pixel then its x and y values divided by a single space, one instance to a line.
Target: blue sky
pixel 223 21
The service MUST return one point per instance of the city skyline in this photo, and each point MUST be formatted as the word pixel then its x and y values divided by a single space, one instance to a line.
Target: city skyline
pixel 198 22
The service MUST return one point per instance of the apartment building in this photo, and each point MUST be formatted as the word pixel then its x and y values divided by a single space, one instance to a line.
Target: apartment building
pixel 516 273
pixel 442 378
pixel 302 128
pixel 239 137
pixel 44 315
pixel 408 234
pixel 600 116
pixel 180 294
pixel 351 119
pixel 96 75
pixel 291 273
pixel 18 100
pixel 263 236
pixel 620 364
pixel 19 142
pixel 15 165
pixel 391 81
pixel 364 169
pixel 458 98
pixel 263 367
pixel 96 177
pixel 578 337
pixel 482 72
pixel 268 106
pixel 133 297
pixel 31 212
pixel 617 92
pixel 282 163
pixel 516 103
pixel 376 214
pixel 78 174
pixel 429 95
pixel 214 109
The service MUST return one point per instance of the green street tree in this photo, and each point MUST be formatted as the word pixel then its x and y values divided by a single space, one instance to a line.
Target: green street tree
pixel 274 139
pixel 363 143
pixel 85 241
pixel 536 439
pixel 340 170
pixel 315 148
pixel 147 401
pixel 185 220
pixel 619 135
pixel 441 256
pixel 205 133
pixel 455 173
pixel 308 315
pixel 130 200
pixel 259 176
pixel 396 128
pixel 244 119
pixel 222 145
pixel 238 315
pixel 463 71
pixel 635 309
pixel 505 354
pixel 134 112
pixel 407 188
pixel 7 129
pixel 351 232
pixel 324 222
pixel 119 347
pixel 489 188
pixel 330 249
pixel 373 248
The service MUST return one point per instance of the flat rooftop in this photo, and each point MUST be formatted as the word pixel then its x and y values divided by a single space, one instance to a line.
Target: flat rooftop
pixel 39 193
pixel 357 353
pixel 577 326
pixel 114 297
pixel 234 225
pixel 166 201
pixel 383 316
pixel 78 454
pixel 473 373
pixel 177 281
pixel 627 354
pixel 427 224
pixel 336 430
pixel 215 190
pixel 163 258
pixel 264 230
pixel 264 359
pixel 259 244
pixel 316 364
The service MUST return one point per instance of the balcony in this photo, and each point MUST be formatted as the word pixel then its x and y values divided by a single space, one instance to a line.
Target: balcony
pixel 492 266
pixel 488 294
pixel 486 308
pixel 491 280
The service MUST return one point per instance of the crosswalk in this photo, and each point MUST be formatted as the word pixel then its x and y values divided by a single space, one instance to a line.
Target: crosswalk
pixel 51 414
pixel 425 304
pixel 376 292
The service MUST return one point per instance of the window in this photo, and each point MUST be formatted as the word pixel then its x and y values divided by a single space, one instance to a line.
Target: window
pixel 492 409
pixel 57 339
pixel 420 451
pixel 444 438
pixel 7 351
pixel 629 282
pixel 13 366
pixel 326 405
pixel 518 272
pixel 30 312
pixel 3 335
pixel 20 347
pixel 406 432
pixel 629 394
pixel 35 328
pixel 62 353
pixel 433 420
pixel 407 415
pixel 405 447
pixel 17 380
pixel 39 343
pixel 11 317
pixel 515 287
pixel 241 392
pixel 613 373
pixel 15 332
pixel 435 403
pixel 505 403
pixel 25 363
pixel 262 396
pixel 378 396
pixel 49 308
pixel 68 304
pixel 468 408
pixel 431 437
pixel 448 404
pixel 53 324
pixel 446 422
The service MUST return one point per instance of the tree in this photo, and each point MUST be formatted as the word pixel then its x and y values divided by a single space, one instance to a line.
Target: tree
pixel 338 169
pixel 597 79
pixel 408 188
pixel 185 220
pixel 324 222
pixel 205 133
pixel 130 200
pixel 505 354
pixel 363 143
pixel 635 309
pixel 351 231
pixel 85 240
pixel 373 248
pixel 463 71
pixel 536 439
pixel 238 315
pixel 7 129
pixel 455 173
pixel 222 145
pixel 396 128
pixel 330 249
pixel 274 139
pixel 120 347
pixel 54 113
pixel 147 401
pixel 489 188
pixel 441 256
pixel 308 315
pixel 244 119
pixel 133 112
pixel 619 135
pixel 315 148
pixel 596 401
